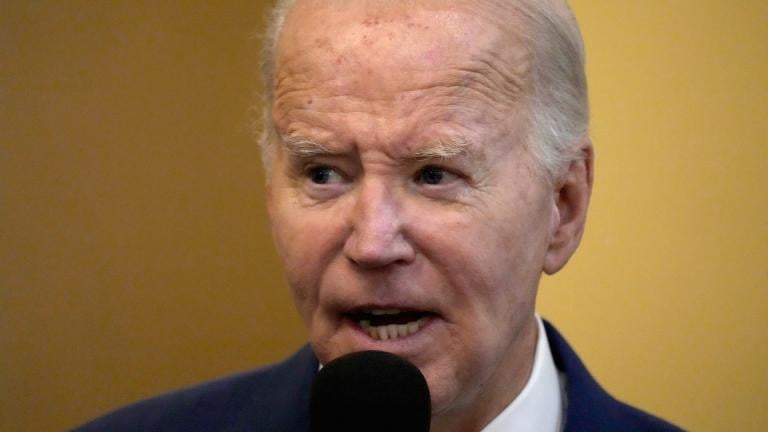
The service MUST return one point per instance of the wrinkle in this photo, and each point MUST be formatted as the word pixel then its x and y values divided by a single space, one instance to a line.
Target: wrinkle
pixel 290 83
pixel 484 79
pixel 512 83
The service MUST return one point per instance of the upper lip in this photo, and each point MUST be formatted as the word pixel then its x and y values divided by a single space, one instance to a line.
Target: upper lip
pixel 369 308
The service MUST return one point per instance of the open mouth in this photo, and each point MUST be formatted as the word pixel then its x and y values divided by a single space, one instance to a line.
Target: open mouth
pixel 388 324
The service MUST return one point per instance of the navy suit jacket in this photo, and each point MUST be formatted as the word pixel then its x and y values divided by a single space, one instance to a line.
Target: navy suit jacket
pixel 276 399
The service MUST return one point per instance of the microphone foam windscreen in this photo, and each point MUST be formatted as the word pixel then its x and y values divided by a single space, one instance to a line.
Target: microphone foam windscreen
pixel 370 391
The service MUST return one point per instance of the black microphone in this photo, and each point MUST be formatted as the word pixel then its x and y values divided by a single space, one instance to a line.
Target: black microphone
pixel 369 391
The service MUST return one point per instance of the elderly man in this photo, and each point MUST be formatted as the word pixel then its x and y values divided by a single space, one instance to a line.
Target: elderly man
pixel 427 160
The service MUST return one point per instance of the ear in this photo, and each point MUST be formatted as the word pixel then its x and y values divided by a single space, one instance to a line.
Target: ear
pixel 571 199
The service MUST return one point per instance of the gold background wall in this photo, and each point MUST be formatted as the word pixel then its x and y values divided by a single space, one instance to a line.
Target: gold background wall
pixel 134 253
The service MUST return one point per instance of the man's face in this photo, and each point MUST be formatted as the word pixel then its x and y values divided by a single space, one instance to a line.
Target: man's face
pixel 402 196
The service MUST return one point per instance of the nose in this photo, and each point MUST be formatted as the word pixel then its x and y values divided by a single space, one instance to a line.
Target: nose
pixel 378 237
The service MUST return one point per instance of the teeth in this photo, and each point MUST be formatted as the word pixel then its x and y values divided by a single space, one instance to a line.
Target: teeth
pixel 391 331
pixel 385 311
pixel 402 330
pixel 413 327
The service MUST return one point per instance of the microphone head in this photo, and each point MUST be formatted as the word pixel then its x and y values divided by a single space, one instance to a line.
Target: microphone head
pixel 371 391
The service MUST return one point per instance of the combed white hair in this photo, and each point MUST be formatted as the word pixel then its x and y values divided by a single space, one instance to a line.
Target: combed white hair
pixel 275 22
pixel 557 100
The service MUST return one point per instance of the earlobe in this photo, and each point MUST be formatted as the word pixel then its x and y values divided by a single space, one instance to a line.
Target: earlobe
pixel 571 200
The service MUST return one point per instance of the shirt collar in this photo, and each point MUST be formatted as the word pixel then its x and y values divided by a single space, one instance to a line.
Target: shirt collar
pixel 539 406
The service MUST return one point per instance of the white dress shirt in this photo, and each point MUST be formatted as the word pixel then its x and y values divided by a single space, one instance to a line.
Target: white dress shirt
pixel 539 406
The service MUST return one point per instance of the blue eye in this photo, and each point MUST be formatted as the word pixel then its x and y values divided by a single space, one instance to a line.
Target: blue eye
pixel 432 175
pixel 323 175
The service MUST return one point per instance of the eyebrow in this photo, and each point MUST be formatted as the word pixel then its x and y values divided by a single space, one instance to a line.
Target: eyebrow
pixel 304 147
pixel 444 148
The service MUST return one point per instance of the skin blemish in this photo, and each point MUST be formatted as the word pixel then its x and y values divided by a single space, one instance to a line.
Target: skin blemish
pixel 433 56
pixel 413 25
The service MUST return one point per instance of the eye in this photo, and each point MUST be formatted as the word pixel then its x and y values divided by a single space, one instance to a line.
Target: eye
pixel 433 175
pixel 320 174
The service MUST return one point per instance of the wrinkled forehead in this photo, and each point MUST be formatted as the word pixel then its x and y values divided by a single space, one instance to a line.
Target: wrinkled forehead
pixel 323 38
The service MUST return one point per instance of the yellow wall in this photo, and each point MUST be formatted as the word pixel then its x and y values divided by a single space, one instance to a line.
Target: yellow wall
pixel 134 255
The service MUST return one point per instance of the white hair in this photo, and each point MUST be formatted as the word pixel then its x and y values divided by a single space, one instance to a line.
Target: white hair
pixel 557 100
pixel 275 21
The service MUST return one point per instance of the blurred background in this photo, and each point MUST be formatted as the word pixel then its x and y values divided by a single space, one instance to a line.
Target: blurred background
pixel 135 255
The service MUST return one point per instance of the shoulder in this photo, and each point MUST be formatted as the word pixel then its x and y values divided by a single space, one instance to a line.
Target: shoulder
pixel 274 397
pixel 588 405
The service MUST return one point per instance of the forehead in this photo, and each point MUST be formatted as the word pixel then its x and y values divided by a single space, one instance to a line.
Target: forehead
pixel 322 38
pixel 391 58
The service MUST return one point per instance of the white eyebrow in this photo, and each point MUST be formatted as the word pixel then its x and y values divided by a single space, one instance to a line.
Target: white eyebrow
pixel 445 148
pixel 304 147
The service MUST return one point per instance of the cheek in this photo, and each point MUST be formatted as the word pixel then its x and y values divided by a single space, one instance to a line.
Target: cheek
pixel 307 241
pixel 483 255
pixel 289 243
pixel 522 229
pixel 491 260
